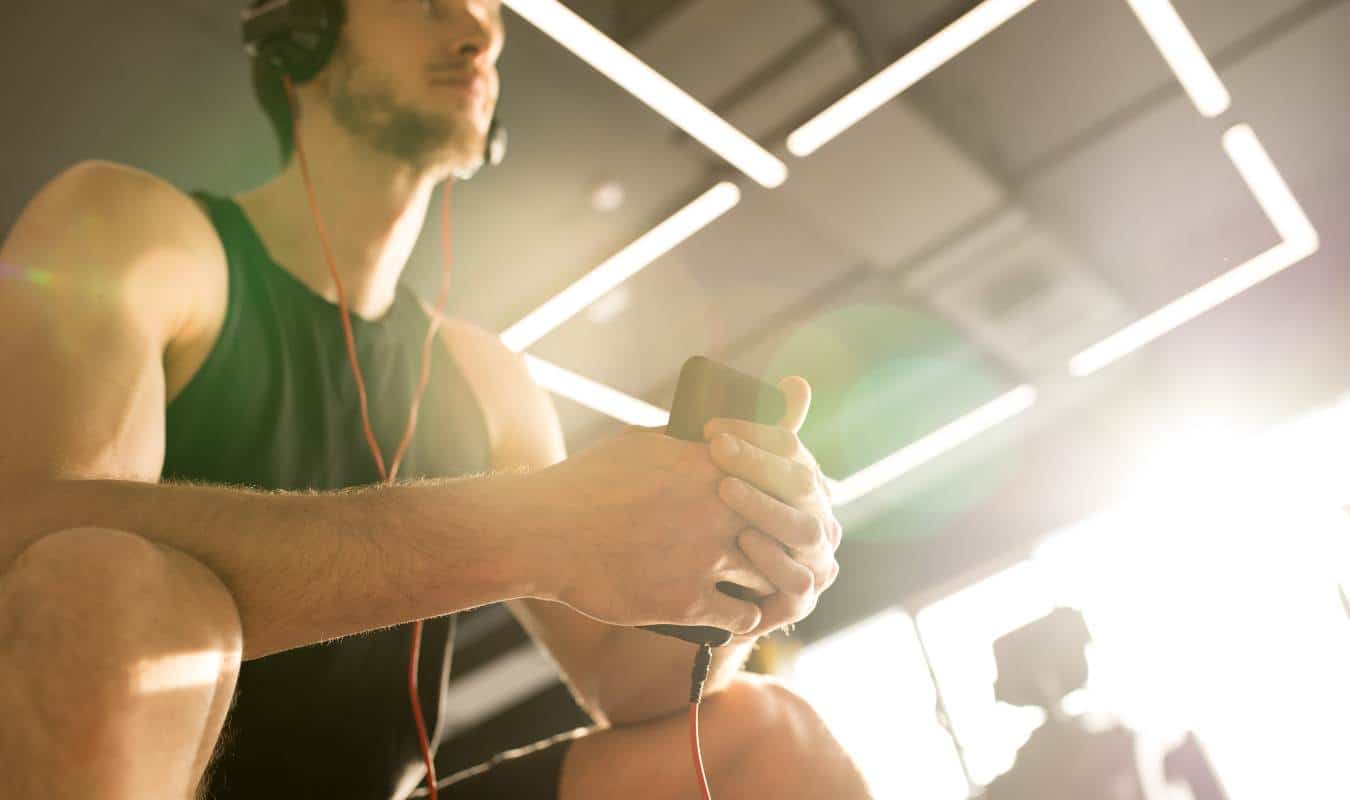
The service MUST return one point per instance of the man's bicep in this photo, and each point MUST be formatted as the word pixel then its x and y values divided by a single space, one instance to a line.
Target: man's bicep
pixel 83 323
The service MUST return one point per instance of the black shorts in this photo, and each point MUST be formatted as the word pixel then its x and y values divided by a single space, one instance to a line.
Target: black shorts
pixel 532 772
pixel 332 721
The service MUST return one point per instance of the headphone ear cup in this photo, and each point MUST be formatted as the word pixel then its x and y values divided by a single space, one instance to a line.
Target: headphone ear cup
pixel 295 37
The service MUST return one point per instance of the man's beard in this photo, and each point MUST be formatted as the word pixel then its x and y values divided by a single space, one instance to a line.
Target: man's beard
pixel 363 103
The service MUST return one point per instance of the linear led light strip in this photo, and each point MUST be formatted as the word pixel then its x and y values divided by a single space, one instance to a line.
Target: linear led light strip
pixel 623 265
pixel 940 441
pixel 649 86
pixel 1159 18
pixel 1181 52
pixel 911 68
pixel 633 411
pixel 1299 240
pixel 595 395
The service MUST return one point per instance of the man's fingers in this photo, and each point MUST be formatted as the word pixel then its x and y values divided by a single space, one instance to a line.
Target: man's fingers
pixel 785 606
pixel 739 570
pixel 798 394
pixel 800 531
pixel 786 573
pixel 782 610
pixel 807 539
pixel 790 481
pixel 776 440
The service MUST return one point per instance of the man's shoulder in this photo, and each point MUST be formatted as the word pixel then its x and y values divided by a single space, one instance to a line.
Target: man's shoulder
pixel 138 239
pixel 481 351
pixel 109 224
pixel 522 422
pixel 141 225
pixel 130 195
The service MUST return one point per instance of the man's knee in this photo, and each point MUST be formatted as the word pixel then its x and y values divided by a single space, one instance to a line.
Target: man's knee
pixel 765 712
pixel 118 658
pixel 781 742
pixel 106 603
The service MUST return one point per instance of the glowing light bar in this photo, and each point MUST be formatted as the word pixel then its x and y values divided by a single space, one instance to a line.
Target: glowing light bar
pixel 1268 186
pixel 1183 55
pixel 942 440
pixel 649 86
pixel 1281 207
pixel 913 67
pixel 622 265
pixel 594 395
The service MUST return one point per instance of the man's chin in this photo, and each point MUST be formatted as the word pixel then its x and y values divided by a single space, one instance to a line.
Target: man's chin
pixel 466 168
pixel 461 157
pixel 460 160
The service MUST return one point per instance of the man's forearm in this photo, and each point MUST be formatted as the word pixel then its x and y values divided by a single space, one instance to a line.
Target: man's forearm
pixel 306 567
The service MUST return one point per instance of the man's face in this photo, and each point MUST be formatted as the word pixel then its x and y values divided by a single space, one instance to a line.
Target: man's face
pixel 417 79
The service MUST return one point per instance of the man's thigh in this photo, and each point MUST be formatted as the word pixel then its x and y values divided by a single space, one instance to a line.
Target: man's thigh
pixel 652 760
pixel 757 738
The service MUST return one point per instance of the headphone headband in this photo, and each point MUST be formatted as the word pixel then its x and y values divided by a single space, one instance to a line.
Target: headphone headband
pixel 297 37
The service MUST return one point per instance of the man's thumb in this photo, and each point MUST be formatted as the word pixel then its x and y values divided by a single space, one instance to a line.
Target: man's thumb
pixel 798 394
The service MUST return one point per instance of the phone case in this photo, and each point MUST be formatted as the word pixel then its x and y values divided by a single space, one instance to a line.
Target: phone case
pixel 708 390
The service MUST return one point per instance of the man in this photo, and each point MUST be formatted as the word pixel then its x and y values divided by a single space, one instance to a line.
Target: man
pixel 164 351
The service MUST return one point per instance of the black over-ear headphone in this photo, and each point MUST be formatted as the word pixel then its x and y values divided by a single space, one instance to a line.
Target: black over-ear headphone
pixel 297 37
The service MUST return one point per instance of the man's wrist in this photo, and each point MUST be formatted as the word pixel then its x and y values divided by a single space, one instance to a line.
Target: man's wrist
pixel 477 531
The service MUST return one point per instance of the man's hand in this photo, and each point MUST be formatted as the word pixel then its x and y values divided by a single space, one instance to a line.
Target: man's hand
pixel 775 485
pixel 635 533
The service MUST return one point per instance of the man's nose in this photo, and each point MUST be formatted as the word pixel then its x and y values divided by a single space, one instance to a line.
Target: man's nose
pixel 473 32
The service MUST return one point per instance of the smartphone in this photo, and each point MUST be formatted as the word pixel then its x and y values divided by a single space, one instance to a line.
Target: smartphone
pixel 708 390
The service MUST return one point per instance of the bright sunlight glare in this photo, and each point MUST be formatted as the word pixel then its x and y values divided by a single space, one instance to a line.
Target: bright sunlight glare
pixel 870 684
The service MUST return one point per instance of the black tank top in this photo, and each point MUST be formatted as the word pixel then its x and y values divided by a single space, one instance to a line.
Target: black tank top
pixel 274 406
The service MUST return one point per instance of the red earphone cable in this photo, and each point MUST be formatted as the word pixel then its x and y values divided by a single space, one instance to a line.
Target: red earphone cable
pixel 698 753
pixel 386 477
pixel 431 335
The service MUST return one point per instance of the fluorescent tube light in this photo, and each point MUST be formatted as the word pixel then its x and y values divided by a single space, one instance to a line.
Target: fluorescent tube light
pixel 594 395
pixel 1186 308
pixel 622 265
pixel 649 86
pixel 904 73
pixel 1267 185
pixel 1299 240
pixel 1183 55
pixel 942 440
pixel 630 410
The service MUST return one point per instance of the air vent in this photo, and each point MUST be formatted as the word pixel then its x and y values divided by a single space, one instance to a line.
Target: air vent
pixel 1021 293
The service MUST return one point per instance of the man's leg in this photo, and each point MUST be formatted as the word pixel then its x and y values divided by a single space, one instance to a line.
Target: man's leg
pixel 118 659
pixel 758 740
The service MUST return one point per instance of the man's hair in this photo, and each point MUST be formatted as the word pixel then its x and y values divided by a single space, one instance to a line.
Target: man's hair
pixel 270 93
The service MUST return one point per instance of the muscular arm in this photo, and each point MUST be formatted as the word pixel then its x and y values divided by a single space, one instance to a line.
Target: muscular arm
pixel 105 274
pixel 619 675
